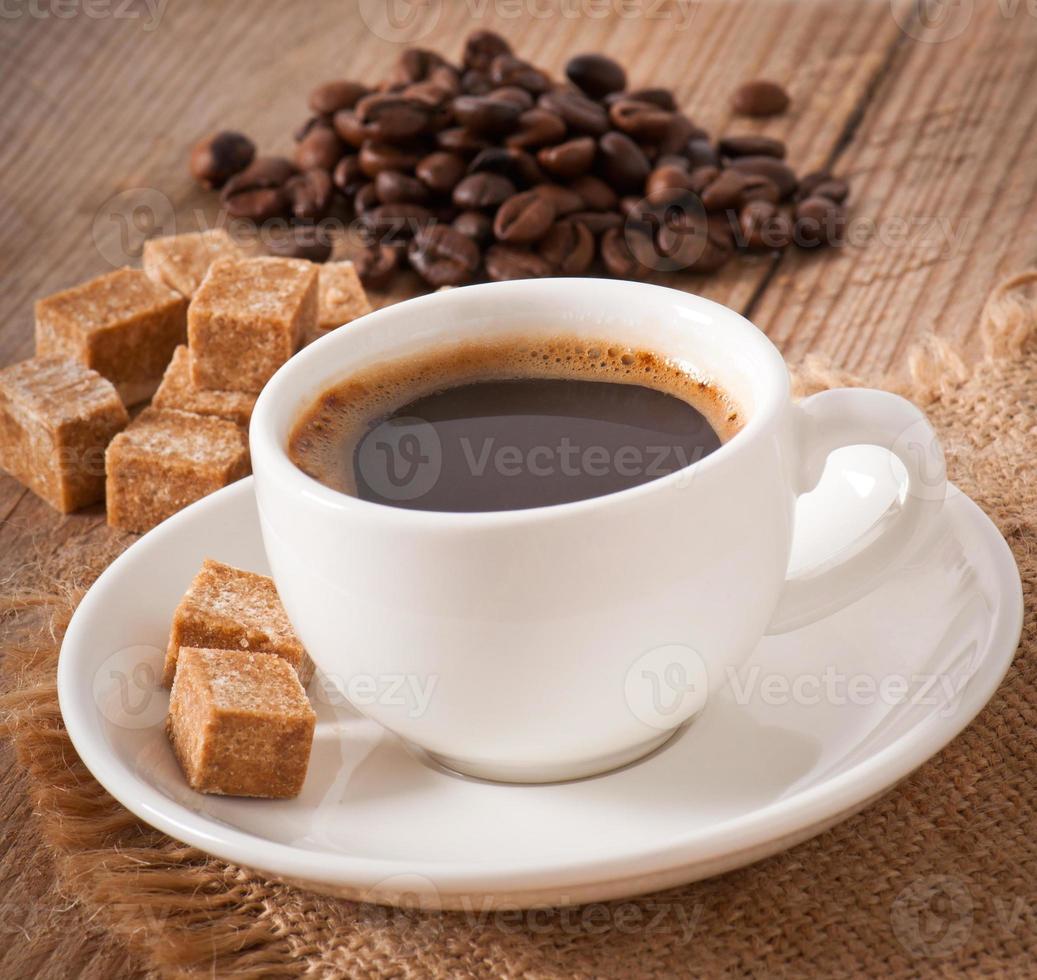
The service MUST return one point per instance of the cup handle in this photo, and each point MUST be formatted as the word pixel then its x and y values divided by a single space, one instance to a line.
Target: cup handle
pixel 850 417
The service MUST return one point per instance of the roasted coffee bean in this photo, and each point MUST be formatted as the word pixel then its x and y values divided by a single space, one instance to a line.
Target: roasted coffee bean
pixel 476 225
pixel 517 165
pixel 622 162
pixel 641 121
pixel 668 176
pixel 481 47
pixel 568 247
pixel 776 170
pixel 308 242
pixel 679 131
pixel 718 247
pixel 310 193
pixel 595 193
pixel 619 257
pixel 725 191
pixel 482 190
pixel 347 176
pixel 569 159
pixel 506 69
pixel 441 171
pixel 505 262
pixel 537 127
pixel 376 264
pixel 349 127
pixel 564 200
pixel 433 95
pixel 376 157
pixel 457 139
pixel 327 99
pixel 217 158
pixel 512 93
pixel 393 187
pixel 320 147
pixel 762 225
pixel 391 223
pixel 597 75
pixel 701 177
pixel 760 98
pixel 597 221
pixel 443 256
pixel 524 218
pixel 823 184
pixel 760 188
pixel 475 82
pixel 485 115
pixel 751 146
pixel 662 97
pixel 365 199
pixel 258 191
pixel 393 118
pixel 819 221
pixel 700 153
pixel 580 114
pixel 415 65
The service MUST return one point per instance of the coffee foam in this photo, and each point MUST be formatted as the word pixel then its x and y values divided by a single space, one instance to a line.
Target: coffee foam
pixel 323 439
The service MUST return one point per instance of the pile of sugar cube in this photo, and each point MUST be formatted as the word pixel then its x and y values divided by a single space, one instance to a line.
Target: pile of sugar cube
pixel 114 342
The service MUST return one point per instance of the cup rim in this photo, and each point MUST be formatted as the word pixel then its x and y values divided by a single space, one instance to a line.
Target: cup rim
pixel 271 455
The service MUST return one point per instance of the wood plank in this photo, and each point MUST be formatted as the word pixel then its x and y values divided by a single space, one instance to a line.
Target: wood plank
pixel 942 168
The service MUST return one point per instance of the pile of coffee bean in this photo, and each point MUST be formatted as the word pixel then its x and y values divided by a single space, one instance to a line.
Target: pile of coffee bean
pixel 492 169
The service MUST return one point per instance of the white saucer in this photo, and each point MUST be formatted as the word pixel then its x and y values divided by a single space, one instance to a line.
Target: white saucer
pixel 753 774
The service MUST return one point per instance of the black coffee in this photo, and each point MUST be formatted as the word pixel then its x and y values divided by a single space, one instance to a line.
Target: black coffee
pixel 506 429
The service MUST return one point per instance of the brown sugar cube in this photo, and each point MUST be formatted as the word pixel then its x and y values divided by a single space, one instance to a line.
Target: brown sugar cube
pixel 181 261
pixel 56 419
pixel 227 608
pixel 341 297
pixel 247 318
pixel 178 391
pixel 240 724
pixel 122 325
pixel 166 460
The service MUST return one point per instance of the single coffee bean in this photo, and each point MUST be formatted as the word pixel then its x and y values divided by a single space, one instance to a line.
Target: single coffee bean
pixel 349 127
pixel 415 65
pixel 725 191
pixel 441 171
pixel 474 82
pixel 391 223
pixel 347 176
pixel 512 93
pixel 506 69
pixel 668 176
pixel 537 127
pixel 302 242
pixel 569 159
pixel 365 199
pixel 597 75
pixel 622 162
pixel 217 158
pixel 819 221
pixel 310 193
pixel 595 193
pixel 327 99
pixel 393 187
pixel 760 188
pixel 762 225
pixel 476 225
pixel 443 256
pixel 486 115
pixel 641 121
pixel 619 257
pixel 700 153
pixel 524 218
pixel 564 200
pixel 597 221
pixel 568 247
pixel 580 114
pixel 823 185
pixel 482 190
pixel 517 165
pixel 392 118
pixel 320 147
pixel 433 95
pixel 376 265
pixel 779 172
pixel 506 262
pixel 376 157
pixel 481 47
pixel 760 98
pixel 751 146
pixel 457 139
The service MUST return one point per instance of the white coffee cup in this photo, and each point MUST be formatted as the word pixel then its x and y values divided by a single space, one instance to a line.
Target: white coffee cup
pixel 558 642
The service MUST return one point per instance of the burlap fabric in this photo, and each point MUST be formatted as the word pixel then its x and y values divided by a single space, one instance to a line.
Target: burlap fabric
pixel 937 877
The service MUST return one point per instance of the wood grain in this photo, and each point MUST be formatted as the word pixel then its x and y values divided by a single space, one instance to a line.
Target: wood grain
pixel 99 114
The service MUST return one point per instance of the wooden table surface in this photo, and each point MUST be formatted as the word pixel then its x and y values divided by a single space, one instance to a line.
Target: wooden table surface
pixel 930 109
